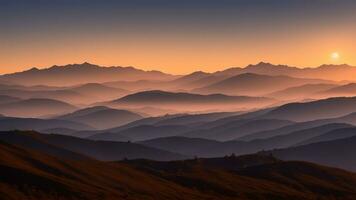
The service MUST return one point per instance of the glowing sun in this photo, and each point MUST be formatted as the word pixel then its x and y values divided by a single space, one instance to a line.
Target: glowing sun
pixel 335 55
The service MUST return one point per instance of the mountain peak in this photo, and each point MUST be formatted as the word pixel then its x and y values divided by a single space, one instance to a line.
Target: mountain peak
pixel 326 66
pixel 33 69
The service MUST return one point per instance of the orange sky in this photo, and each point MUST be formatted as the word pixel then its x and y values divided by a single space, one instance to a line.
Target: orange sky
pixel 178 56
pixel 177 37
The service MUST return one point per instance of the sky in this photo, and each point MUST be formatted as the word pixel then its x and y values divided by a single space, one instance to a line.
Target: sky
pixel 176 36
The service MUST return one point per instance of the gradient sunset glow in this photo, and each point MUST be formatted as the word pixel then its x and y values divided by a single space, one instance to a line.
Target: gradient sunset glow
pixel 176 36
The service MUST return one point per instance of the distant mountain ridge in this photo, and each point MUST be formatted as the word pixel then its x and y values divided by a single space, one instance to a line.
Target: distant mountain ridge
pixel 86 73
pixel 326 71
pixel 81 73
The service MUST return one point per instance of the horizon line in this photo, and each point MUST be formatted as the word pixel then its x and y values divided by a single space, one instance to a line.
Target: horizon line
pixel 163 71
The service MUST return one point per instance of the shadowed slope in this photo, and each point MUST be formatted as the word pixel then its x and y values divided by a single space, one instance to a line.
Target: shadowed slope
pixel 100 150
pixel 28 174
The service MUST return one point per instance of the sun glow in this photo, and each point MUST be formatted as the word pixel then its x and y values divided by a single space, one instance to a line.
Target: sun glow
pixel 335 56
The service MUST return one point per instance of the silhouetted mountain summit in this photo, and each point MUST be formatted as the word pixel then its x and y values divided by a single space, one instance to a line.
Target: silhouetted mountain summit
pixel 81 73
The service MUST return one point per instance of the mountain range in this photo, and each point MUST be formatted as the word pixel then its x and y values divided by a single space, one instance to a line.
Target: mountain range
pixel 79 74
pixel 84 131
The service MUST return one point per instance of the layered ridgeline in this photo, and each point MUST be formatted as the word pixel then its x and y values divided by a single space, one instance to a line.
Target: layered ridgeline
pixel 27 173
pixel 81 73
pixel 188 102
pixel 101 117
pixel 89 73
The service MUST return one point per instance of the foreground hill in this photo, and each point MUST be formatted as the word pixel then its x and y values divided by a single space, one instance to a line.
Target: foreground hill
pixel 101 117
pixel 100 150
pixel 80 74
pixel 27 174
pixel 35 108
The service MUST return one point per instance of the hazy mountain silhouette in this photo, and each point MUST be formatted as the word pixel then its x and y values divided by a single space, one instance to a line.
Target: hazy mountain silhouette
pixel 162 126
pixel 218 178
pixel 255 84
pixel 237 128
pixel 195 119
pixel 143 132
pixel 190 120
pixel 191 77
pixel 144 121
pixel 208 148
pixel 300 92
pixel 329 72
pixel 325 108
pixel 32 140
pixel 284 130
pixel 163 97
pixel 254 114
pixel 100 150
pixel 99 92
pixel 298 137
pixel 101 117
pixel 140 85
pixel 344 90
pixel 337 153
pixel 61 95
pixel 86 93
pixel 186 83
pixel 81 73
pixel 331 135
pixel 189 101
pixel 35 108
pixel 349 119
pixel 12 123
pixel 211 148
pixel 202 82
pixel 8 99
